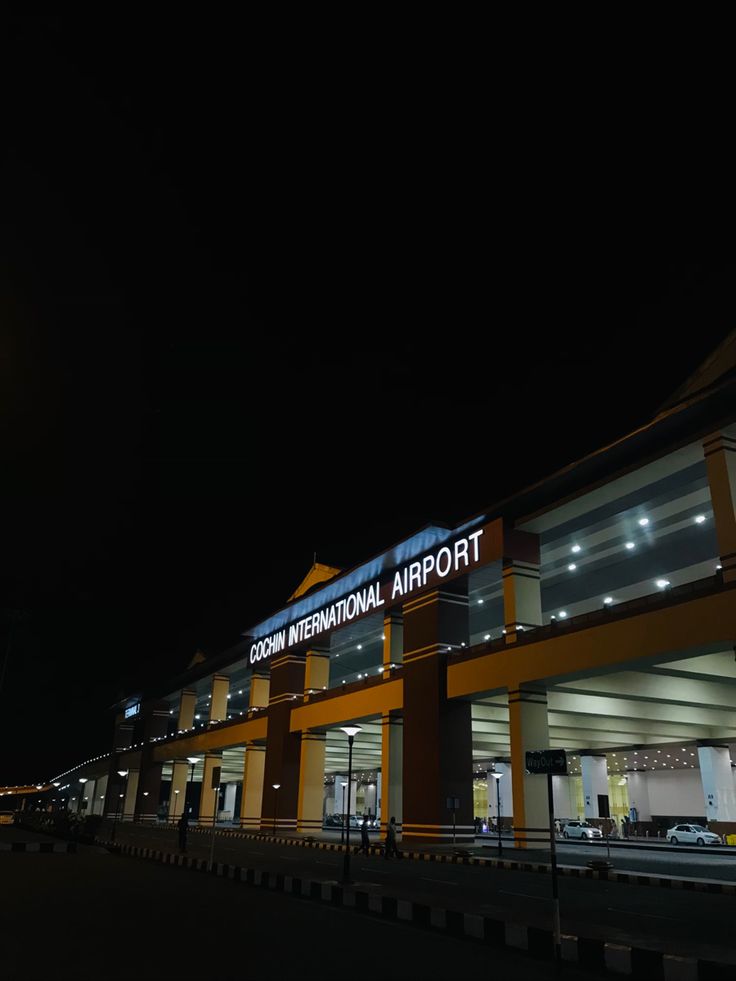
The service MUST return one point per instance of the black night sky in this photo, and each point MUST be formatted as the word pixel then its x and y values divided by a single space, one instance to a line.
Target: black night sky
pixel 259 300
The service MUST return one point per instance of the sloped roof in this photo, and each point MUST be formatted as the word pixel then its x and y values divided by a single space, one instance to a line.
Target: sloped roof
pixel 317 574
pixel 720 362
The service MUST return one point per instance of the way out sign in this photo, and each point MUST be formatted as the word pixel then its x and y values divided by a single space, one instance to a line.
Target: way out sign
pixel 552 761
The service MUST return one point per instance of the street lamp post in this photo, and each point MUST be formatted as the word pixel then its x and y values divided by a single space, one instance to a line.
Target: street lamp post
pixel 342 823
pixel 275 807
pixel 351 732
pixel 497 778
pixel 191 760
pixel 122 774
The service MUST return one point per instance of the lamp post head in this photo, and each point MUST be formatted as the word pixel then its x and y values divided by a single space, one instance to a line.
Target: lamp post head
pixel 122 773
pixel 177 791
pixel 83 779
pixel 193 759
pixel 496 776
pixel 351 731
pixel 344 784
pixel 275 786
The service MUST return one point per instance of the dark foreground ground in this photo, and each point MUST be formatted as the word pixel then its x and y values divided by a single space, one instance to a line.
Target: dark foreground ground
pixel 99 916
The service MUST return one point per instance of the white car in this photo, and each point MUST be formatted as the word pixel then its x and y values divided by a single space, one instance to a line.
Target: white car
pixel 692 834
pixel 581 829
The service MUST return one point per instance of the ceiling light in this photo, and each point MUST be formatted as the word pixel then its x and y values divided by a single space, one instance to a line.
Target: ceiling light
pixel 575 549
pixel 486 636
pixel 480 602
pixel 663 583
pixel 630 545
pixel 607 600
pixel 699 519
pixel 643 522
pixel 360 647
pixel 562 614
pixel 572 567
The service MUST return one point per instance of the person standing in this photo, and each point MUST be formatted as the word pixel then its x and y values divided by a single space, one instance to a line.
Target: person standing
pixel 365 842
pixel 183 826
pixel 391 848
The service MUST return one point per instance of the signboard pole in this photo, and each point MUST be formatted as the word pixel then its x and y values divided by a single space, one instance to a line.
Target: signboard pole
pixel 553 855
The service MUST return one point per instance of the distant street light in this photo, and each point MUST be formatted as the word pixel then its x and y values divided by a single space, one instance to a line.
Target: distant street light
pixel 497 778
pixel 192 761
pixel 275 807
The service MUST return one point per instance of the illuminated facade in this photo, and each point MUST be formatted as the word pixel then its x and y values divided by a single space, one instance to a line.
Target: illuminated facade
pixel 594 611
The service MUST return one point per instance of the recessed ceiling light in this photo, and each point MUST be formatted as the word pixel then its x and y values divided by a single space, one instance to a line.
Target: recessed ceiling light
pixel 630 545
pixel 699 519
pixel 608 600
pixel 575 549
pixel 572 567
pixel 562 614
pixel 486 636
pixel 643 522
pixel 360 647
pixel 663 583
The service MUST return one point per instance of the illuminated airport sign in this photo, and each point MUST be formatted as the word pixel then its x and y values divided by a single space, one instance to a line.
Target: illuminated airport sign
pixel 440 564
pixel 133 709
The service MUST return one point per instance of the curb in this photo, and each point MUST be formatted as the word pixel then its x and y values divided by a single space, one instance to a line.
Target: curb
pixel 714 886
pixel 68 847
pixel 597 955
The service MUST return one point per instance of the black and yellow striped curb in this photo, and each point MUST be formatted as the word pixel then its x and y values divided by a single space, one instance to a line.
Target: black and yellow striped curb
pixel 592 954
pixel 715 886
pixel 69 847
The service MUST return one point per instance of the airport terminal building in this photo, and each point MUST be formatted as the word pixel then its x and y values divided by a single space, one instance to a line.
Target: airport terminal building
pixel 594 611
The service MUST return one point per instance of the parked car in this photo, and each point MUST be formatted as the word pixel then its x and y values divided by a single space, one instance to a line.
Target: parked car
pixel 692 834
pixel 7 817
pixel 581 829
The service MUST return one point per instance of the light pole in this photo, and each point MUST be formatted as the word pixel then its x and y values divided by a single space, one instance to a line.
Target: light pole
pixel 497 778
pixel 351 732
pixel 342 823
pixel 176 801
pixel 275 807
pixel 191 760
pixel 122 774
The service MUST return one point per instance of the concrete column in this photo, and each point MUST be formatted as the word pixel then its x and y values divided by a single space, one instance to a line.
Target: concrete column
pixel 100 795
pixel 123 738
pixel 179 777
pixel 528 729
pixel 340 779
pixel 718 784
pixel 594 770
pixel 392 767
pixel 187 706
pixel 231 790
pixel 317 669
pixel 131 793
pixel 522 598
pixel 218 700
pixel 208 792
pixel 260 684
pixel 87 797
pixel 720 464
pixel 639 795
pixel 438 743
pixel 283 747
pixel 393 640
pixel 252 799
pixel 311 782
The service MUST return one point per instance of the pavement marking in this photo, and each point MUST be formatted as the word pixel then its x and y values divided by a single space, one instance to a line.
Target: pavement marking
pixel 631 912
pixel 445 882
pixel 378 871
